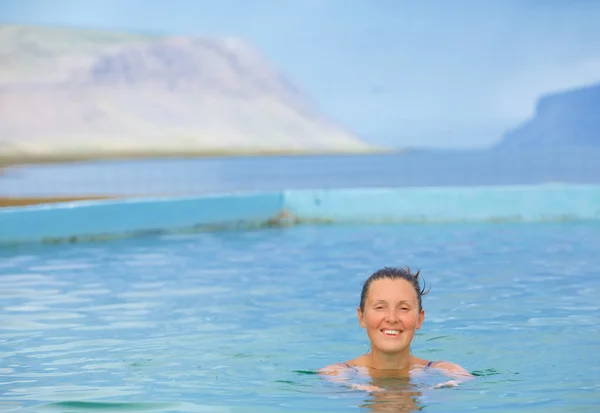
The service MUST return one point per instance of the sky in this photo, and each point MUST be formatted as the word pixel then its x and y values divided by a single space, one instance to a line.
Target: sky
pixel 418 73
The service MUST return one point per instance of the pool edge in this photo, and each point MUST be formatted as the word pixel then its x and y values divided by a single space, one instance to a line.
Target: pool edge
pixel 127 217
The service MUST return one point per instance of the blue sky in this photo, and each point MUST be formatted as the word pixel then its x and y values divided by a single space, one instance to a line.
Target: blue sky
pixel 404 73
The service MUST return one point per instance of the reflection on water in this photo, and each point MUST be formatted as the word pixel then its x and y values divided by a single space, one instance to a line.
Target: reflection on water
pixel 241 321
pixel 399 395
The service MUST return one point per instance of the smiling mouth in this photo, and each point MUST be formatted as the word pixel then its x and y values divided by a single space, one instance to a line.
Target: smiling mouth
pixel 390 333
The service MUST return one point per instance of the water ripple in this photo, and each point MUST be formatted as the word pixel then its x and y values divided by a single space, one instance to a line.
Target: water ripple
pixel 226 321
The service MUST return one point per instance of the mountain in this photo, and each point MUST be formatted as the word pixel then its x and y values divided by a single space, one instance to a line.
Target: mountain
pixel 566 120
pixel 72 93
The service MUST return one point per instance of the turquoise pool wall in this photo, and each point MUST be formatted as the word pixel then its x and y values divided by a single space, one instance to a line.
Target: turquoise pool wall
pixel 64 221
pixel 89 219
pixel 418 204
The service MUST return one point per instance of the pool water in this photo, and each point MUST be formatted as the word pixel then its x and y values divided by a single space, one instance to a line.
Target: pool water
pixel 239 321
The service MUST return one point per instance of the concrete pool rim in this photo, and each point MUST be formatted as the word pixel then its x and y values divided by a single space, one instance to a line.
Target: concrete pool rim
pixel 125 217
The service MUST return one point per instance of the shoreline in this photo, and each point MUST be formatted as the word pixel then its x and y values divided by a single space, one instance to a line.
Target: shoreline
pixel 6 202
pixel 24 160
pixel 11 162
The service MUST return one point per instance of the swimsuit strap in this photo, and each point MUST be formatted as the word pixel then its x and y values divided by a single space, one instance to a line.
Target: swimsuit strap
pixel 429 364
pixel 350 367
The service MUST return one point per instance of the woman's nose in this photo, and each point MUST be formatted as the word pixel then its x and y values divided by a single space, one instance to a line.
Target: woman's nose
pixel 392 317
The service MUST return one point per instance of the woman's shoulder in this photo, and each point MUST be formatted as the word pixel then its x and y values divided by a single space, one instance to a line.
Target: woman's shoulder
pixel 449 367
pixel 446 366
pixel 337 368
pixel 333 369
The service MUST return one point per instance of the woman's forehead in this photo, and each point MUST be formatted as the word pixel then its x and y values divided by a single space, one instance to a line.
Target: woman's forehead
pixel 386 289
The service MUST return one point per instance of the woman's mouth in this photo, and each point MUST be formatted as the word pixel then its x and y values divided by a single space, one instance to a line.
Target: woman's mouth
pixel 390 333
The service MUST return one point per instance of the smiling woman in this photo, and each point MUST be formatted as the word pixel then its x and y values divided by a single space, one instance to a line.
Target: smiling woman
pixel 391 311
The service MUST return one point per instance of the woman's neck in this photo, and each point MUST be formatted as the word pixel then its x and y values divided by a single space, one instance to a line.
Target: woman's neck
pixel 386 361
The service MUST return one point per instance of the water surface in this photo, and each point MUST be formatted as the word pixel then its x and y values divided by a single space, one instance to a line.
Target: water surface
pixel 240 321
pixel 196 176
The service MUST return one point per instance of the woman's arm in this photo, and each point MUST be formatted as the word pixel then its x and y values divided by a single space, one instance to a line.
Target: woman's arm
pixel 458 373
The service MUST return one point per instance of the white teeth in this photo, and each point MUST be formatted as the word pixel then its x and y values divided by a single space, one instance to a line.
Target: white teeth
pixel 391 332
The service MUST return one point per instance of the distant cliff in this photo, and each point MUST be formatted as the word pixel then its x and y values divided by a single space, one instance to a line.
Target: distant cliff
pixel 68 93
pixel 563 120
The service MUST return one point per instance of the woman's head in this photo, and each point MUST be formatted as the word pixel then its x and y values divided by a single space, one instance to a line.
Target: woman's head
pixel 391 309
pixel 394 274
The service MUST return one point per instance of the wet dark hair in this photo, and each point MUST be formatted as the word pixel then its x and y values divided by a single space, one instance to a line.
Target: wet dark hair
pixel 390 273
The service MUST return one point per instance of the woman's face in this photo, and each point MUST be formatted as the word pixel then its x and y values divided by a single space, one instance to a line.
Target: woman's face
pixel 391 315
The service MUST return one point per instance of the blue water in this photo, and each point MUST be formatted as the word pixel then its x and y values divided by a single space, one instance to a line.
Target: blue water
pixel 193 176
pixel 239 321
